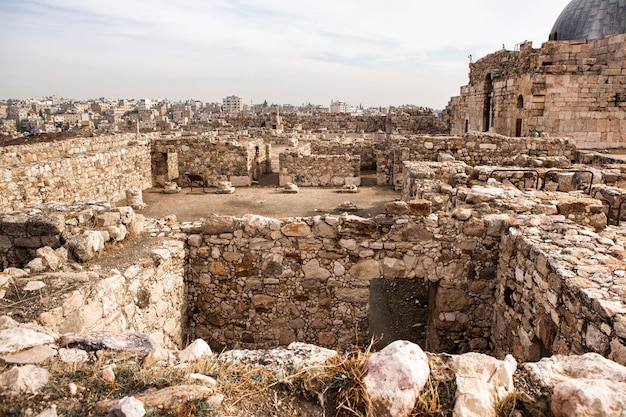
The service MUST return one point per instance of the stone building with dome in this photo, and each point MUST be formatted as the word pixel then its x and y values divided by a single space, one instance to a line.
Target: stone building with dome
pixel 573 86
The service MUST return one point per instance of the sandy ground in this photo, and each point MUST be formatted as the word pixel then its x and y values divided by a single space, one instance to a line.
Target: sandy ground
pixel 266 201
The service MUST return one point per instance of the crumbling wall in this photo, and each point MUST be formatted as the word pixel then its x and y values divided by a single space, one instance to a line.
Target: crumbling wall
pixel 257 282
pixel 80 169
pixel 148 297
pixel 565 88
pixel 319 170
pixel 560 291
pixel 363 147
pixel 472 149
pixel 214 160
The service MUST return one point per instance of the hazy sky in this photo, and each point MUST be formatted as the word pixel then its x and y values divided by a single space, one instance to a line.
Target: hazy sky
pixel 283 51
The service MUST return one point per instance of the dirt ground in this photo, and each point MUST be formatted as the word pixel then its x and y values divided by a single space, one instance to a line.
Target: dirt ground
pixel 265 199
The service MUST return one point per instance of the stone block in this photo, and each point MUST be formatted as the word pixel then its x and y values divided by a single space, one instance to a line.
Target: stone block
pixel 420 207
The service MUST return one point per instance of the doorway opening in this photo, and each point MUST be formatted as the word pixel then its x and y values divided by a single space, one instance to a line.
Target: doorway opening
pixel 398 310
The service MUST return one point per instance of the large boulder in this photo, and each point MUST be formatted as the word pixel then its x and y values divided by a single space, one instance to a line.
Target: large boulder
pixel 395 377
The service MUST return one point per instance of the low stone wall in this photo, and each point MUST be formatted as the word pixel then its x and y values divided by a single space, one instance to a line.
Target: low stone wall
pixel 365 147
pixel 73 170
pixel 472 149
pixel 56 224
pixel 319 170
pixel 561 290
pixel 257 282
pixel 214 160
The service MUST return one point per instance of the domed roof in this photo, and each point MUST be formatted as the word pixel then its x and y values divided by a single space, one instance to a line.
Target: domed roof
pixel 590 19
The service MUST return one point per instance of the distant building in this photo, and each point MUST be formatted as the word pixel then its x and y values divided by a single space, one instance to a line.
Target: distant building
pixel 232 104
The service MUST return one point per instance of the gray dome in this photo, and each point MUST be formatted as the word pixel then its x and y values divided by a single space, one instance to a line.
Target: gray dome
pixel 590 19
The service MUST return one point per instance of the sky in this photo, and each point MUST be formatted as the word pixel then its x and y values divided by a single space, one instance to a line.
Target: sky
pixel 364 52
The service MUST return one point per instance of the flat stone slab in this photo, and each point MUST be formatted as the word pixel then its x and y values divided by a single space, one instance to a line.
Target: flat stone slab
pixel 35 355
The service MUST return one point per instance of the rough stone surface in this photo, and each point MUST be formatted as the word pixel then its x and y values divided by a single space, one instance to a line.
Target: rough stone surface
pixel 127 407
pixel 196 350
pixel 24 379
pixel 481 382
pixel 395 377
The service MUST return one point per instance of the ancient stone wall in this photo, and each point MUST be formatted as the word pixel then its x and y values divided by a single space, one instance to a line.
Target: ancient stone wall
pixel 565 88
pixel 404 121
pixel 215 160
pixel 148 297
pixel 319 170
pixel 81 169
pixel 364 147
pixel 257 282
pixel 560 291
pixel 472 149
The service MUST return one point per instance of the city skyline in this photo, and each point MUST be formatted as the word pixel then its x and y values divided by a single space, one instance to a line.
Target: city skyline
pixel 362 53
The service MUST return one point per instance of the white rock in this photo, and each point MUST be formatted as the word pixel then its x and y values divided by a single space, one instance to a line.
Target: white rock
pixel 204 379
pixel 24 379
pixel 34 286
pixel 50 412
pixel 127 407
pixel 86 246
pixel 14 339
pixel 589 398
pixel 284 361
pixel 198 349
pixel 481 382
pixel 395 377
pixel 558 368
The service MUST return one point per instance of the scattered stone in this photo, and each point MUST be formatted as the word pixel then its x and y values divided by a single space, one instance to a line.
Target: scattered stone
pixel 346 206
pixel 15 339
pixel 203 379
pixel 127 407
pixel 225 187
pixel 107 374
pixel 349 188
pixel 291 188
pixel 397 208
pixel 171 188
pixel 134 198
pixel 153 399
pixel 34 285
pixel 196 350
pixel 24 379
pixel 86 246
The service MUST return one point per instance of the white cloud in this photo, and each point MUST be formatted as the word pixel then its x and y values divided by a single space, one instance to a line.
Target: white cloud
pixel 360 51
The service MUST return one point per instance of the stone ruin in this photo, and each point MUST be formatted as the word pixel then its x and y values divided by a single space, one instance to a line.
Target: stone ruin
pixel 508 246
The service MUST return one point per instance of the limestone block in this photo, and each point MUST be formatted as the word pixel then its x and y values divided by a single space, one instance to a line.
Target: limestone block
pixel 86 246
pixel 323 229
pixel 482 382
pixel 294 229
pixel 366 270
pixel 397 208
pixel 216 224
pixel 420 207
pixel 395 376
